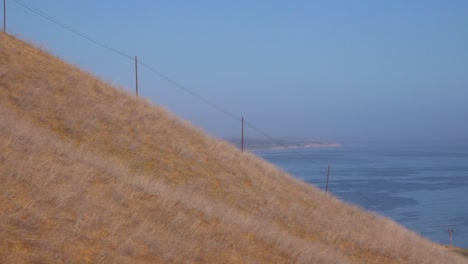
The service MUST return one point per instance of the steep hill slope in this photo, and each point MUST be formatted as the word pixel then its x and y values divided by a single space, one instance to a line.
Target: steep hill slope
pixel 92 174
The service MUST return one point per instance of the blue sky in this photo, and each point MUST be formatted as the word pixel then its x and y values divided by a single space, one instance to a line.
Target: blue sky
pixel 334 70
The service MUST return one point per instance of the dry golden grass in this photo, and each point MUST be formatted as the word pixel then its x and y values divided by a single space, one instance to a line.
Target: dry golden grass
pixel 461 251
pixel 91 174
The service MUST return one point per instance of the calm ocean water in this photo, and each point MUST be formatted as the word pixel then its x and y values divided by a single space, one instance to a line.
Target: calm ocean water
pixel 424 188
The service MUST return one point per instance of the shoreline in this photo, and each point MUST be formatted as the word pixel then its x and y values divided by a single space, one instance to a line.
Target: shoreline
pixel 253 144
pixel 305 146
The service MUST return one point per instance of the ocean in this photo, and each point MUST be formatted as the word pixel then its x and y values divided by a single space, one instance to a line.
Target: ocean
pixel 424 187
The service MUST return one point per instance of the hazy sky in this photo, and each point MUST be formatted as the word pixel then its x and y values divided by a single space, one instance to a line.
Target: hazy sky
pixel 332 70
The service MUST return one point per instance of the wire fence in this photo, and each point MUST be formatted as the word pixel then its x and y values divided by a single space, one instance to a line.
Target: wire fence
pixel 428 226
pixel 155 71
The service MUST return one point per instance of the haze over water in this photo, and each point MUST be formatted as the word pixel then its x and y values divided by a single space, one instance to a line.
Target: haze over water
pixel 423 187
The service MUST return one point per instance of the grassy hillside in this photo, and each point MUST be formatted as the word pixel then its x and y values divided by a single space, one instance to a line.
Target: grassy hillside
pixel 90 174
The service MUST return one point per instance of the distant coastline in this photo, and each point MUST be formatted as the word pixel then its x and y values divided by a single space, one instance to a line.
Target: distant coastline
pixel 264 144
pixel 306 145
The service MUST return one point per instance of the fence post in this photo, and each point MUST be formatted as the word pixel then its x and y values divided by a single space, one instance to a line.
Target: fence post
pixel 450 236
pixel 4 16
pixel 328 176
pixel 242 137
pixel 136 75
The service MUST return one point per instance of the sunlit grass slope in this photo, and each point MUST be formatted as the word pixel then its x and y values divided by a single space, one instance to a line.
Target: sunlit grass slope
pixel 91 174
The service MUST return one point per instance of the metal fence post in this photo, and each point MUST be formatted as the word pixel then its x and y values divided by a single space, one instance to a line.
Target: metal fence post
pixel 242 136
pixel 4 16
pixel 136 75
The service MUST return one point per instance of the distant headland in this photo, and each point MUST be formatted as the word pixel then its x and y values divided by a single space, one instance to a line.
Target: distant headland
pixel 254 144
